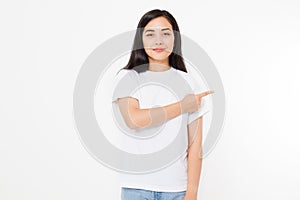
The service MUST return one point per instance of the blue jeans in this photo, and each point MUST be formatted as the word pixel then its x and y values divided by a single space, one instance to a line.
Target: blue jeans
pixel 141 194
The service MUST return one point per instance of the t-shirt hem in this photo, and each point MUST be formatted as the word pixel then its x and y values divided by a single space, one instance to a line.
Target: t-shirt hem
pixel 156 188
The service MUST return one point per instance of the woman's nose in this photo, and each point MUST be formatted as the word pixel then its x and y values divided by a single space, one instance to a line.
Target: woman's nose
pixel 158 40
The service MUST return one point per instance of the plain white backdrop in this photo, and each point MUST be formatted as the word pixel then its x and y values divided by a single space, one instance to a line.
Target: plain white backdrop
pixel 254 44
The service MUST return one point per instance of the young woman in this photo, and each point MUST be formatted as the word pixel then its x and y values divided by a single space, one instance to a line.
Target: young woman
pixel 156 55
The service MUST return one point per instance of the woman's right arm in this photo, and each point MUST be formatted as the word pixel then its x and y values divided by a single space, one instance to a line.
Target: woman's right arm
pixel 136 118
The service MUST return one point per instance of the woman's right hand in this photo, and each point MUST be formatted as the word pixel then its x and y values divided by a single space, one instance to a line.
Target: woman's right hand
pixel 191 102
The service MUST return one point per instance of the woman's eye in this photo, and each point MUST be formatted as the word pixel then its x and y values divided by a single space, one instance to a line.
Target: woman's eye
pixel 150 34
pixel 167 34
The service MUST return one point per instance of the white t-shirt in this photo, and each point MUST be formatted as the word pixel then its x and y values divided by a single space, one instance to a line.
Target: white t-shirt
pixel 154 89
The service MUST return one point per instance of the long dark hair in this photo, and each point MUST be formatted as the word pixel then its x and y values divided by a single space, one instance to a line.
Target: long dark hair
pixel 138 55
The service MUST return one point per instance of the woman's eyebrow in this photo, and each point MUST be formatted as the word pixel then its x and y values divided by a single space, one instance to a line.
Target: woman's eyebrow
pixel 150 30
pixel 166 29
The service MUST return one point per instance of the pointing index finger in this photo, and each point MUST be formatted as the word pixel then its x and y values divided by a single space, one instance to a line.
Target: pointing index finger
pixel 205 93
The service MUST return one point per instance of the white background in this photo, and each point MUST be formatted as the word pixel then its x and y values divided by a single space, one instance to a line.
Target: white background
pixel 254 44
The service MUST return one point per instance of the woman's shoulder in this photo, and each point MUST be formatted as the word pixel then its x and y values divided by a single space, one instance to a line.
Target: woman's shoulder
pixel 129 72
pixel 189 78
pixel 183 74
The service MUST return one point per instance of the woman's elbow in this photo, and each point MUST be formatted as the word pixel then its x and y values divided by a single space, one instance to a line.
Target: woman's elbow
pixel 134 124
pixel 134 118
pixel 131 125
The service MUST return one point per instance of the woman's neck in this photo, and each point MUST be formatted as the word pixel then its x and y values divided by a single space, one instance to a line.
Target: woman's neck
pixel 159 66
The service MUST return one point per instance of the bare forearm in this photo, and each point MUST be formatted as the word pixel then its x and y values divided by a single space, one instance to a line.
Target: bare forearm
pixel 142 118
pixel 194 158
pixel 194 172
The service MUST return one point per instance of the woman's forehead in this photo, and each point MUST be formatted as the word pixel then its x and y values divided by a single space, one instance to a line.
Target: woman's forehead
pixel 159 23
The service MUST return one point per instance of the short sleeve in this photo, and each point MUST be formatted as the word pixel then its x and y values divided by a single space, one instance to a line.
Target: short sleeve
pixel 126 85
pixel 206 102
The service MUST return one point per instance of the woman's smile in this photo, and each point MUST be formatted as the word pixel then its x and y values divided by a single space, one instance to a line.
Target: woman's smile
pixel 158 49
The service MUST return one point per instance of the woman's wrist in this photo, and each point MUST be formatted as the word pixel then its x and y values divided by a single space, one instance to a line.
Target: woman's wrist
pixel 190 196
pixel 192 191
pixel 182 108
pixel 173 110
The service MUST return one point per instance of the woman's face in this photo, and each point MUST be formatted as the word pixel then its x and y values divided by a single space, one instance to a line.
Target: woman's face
pixel 158 39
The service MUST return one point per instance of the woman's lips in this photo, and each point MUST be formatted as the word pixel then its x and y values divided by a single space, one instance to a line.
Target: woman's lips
pixel 158 49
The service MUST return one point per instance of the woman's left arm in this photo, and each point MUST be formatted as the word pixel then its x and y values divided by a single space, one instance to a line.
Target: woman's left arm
pixel 194 158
